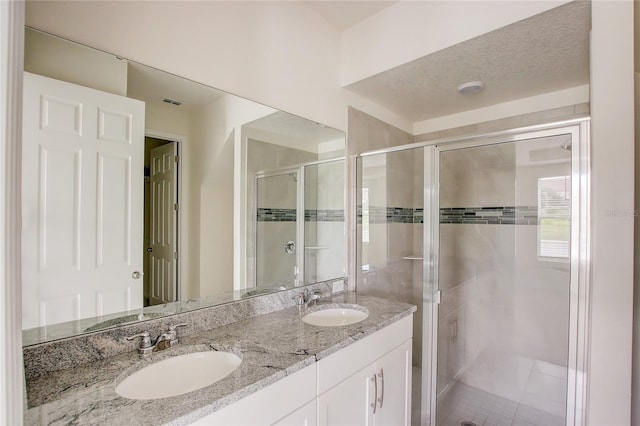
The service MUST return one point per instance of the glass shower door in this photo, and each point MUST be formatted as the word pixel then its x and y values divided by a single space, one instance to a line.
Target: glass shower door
pixel 277 234
pixel 504 280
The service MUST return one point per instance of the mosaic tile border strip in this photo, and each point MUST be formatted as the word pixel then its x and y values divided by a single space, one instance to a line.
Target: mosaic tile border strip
pixel 502 215
pixel 290 215
pixel 499 215
pixel 276 215
pixel 379 215
pixel 328 215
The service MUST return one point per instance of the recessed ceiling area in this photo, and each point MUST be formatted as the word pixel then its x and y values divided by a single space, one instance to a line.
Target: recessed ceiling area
pixel 541 54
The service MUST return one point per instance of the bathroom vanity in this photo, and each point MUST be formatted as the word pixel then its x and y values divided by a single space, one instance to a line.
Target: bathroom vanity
pixel 291 373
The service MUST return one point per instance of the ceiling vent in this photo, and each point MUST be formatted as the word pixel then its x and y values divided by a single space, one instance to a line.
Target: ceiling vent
pixel 172 101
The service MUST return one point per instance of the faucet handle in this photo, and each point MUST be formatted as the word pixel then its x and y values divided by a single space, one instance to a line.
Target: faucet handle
pixel 299 298
pixel 173 327
pixel 173 334
pixel 146 339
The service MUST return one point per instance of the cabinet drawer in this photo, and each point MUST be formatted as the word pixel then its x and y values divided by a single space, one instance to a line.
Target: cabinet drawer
pixel 348 361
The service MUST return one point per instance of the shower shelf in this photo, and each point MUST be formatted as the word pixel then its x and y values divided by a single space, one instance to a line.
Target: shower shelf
pixel 413 257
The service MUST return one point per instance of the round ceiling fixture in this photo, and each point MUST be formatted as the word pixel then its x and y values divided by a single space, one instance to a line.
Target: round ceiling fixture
pixel 470 87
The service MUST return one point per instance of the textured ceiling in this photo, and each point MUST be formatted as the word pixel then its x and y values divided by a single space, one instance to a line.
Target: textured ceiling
pixel 344 14
pixel 544 53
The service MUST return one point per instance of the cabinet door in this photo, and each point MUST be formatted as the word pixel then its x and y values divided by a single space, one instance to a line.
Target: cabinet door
pixel 394 387
pixel 348 403
pixel 304 416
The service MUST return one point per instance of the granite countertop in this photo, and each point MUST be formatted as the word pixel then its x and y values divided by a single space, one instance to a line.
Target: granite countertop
pixel 271 346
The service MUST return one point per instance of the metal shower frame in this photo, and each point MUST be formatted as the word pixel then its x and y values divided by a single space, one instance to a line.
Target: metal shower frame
pixel 579 131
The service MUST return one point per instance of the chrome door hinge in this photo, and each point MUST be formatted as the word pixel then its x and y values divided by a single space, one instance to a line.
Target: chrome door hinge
pixel 177 158
pixel 176 207
pixel 437 297
pixel 175 255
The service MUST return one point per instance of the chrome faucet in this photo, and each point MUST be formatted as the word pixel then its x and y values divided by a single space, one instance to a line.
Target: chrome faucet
pixel 163 341
pixel 307 298
pixel 312 297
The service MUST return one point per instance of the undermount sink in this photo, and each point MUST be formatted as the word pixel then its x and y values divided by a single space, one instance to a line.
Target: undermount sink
pixel 334 316
pixel 178 375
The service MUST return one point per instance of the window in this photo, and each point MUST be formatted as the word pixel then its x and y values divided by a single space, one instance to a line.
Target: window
pixel 554 217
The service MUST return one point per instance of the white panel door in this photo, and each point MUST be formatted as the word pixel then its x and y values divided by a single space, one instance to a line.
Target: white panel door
pixel 162 259
pixel 82 171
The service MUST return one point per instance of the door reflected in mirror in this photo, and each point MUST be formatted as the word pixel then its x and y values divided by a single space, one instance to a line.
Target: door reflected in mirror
pixel 147 194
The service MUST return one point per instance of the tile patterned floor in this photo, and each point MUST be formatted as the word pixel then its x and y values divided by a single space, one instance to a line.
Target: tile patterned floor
pixel 465 403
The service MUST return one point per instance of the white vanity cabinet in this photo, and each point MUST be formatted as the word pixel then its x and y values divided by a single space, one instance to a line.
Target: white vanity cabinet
pixel 378 394
pixel 338 390
pixel 303 416
pixel 286 402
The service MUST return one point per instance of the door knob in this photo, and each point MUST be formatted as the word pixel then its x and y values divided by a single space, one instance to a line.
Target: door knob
pixel 136 275
pixel 149 249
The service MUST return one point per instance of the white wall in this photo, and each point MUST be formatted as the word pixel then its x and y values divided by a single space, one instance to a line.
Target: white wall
pixel 83 66
pixel 166 118
pixel 612 187
pixel 409 30
pixel 278 53
pixel 211 198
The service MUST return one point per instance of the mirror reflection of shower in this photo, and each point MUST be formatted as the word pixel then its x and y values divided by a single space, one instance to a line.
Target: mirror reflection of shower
pixel 299 225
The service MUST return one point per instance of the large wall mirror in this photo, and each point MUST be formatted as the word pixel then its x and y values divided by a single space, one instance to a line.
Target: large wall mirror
pixel 146 194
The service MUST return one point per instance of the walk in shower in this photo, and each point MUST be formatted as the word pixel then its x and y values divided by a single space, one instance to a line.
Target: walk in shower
pixel 487 236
